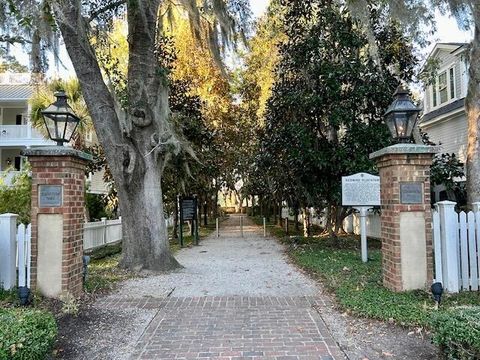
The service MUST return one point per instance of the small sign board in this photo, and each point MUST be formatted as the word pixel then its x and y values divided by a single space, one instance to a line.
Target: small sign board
pixel 411 193
pixel 189 208
pixel 50 195
pixel 361 189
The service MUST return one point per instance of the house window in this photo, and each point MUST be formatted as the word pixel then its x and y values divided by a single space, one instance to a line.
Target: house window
pixel 452 83
pixel 443 87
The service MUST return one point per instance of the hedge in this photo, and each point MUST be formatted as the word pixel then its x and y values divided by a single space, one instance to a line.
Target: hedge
pixel 26 334
pixel 457 332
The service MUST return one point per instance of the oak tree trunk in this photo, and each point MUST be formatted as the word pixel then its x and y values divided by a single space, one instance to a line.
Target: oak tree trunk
pixel 133 140
pixel 472 103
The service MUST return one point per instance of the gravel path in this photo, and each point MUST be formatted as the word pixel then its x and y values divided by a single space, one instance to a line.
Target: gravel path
pixel 230 265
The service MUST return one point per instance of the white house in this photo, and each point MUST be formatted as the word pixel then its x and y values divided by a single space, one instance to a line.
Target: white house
pixel 17 132
pixel 444 117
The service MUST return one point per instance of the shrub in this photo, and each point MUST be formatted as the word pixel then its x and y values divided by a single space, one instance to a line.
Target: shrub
pixel 17 198
pixel 26 334
pixel 457 332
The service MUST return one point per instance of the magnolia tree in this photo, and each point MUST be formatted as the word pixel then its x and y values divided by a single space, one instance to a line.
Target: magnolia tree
pixel 413 16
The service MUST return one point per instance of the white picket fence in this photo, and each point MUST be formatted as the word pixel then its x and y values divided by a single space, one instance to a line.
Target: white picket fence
pixel 351 224
pixel 100 233
pixel 24 248
pixel 456 240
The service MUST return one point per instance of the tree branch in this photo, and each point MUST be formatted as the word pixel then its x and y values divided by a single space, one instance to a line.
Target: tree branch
pixel 100 102
pixel 13 39
pixel 106 8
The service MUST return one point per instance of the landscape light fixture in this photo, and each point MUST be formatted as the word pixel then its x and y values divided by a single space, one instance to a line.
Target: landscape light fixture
pixel 437 291
pixel 60 120
pixel 401 116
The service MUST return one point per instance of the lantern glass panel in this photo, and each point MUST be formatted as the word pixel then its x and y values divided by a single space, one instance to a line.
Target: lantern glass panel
pixel 412 121
pixel 70 127
pixel 51 126
pixel 401 123
pixel 390 120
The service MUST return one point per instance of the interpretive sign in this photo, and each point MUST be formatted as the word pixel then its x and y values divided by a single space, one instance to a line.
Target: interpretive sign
pixel 50 196
pixel 188 212
pixel 361 189
pixel 189 208
pixel 411 193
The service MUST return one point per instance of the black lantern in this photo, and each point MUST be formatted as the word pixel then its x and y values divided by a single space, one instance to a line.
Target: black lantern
pixel 60 120
pixel 401 116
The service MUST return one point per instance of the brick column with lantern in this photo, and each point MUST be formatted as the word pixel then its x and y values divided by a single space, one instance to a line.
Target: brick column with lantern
pixel 406 231
pixel 404 170
pixel 58 206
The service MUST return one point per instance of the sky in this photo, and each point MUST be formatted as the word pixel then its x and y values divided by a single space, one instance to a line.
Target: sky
pixel 447 31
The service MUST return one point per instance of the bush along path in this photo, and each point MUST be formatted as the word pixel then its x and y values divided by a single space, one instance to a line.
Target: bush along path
pixel 357 290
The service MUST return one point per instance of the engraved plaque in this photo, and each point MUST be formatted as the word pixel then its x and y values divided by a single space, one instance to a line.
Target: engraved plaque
pixel 411 193
pixel 189 208
pixel 50 195
pixel 361 189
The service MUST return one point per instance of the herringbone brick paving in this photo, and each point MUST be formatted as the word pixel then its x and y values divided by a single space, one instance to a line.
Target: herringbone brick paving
pixel 237 328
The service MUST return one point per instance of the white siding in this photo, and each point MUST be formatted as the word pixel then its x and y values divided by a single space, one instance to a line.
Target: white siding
pixel 97 185
pixel 451 134
pixel 446 62
pixel 446 58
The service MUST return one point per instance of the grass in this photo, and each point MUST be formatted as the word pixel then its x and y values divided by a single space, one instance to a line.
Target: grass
pixel 103 269
pixel 8 298
pixel 188 240
pixel 357 286
pixel 104 273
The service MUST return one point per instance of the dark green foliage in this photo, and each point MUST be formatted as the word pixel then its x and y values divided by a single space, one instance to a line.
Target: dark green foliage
pixel 26 334
pixel 457 332
pixel 96 206
pixel 324 117
pixel 16 199
pixel 447 170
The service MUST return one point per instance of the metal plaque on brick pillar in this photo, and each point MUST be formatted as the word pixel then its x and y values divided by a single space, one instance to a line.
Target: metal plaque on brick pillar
pixel 411 193
pixel 361 191
pixel 50 195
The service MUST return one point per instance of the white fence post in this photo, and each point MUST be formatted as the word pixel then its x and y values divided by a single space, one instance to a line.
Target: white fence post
pixel 104 236
pixel 28 235
pixel 437 245
pixel 8 246
pixel 449 245
pixel 21 237
pixel 475 256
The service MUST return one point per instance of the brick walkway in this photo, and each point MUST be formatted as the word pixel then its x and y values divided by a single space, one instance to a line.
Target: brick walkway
pixel 280 328
pixel 259 326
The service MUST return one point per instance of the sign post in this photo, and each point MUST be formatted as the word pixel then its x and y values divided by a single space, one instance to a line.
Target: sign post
pixel 188 211
pixel 361 191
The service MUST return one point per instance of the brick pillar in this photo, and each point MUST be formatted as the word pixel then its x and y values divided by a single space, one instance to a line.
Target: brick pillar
pixel 406 218
pixel 58 199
